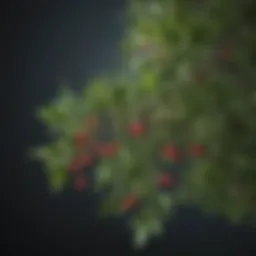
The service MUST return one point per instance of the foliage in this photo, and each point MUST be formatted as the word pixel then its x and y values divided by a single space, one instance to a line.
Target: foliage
pixel 180 129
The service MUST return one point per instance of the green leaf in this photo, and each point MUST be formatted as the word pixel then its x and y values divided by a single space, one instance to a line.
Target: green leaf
pixel 54 156
pixel 165 202
pixel 46 115
pixel 125 157
pixel 55 161
pixel 198 174
pixel 149 82
pixel 40 153
pixel 57 179
pixel 63 113
pixel 155 8
pixel 104 174
pixel 110 205
pixel 155 226
pixel 140 234
pixel 119 95
pixel 235 211
pixel 144 226
pixel 99 94
pixel 141 187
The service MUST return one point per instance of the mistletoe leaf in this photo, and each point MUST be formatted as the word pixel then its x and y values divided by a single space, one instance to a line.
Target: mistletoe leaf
pixel 63 114
pixel 40 153
pixel 56 158
pixel 155 225
pixel 165 202
pixel 235 212
pixel 150 82
pixel 110 205
pixel 57 179
pixel 47 115
pixel 104 174
pixel 125 157
pixel 141 234
pixel 99 94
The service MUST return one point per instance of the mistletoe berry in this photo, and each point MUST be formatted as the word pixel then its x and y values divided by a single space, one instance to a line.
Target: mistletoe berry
pixel 166 180
pixel 81 139
pixel 137 129
pixel 108 149
pixel 198 150
pixel 129 203
pixel 171 153
pixel 80 184
pixel 87 160
pixel 80 162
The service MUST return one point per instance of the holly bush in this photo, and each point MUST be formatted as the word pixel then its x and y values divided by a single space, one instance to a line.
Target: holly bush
pixel 177 127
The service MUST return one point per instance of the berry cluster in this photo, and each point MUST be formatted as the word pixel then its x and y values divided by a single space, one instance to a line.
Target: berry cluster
pixel 89 151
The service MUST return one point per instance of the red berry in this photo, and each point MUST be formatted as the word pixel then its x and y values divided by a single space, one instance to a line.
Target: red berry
pixel 129 202
pixel 166 180
pixel 108 149
pixel 86 160
pixel 80 140
pixel 198 150
pixel 80 184
pixel 137 129
pixel 81 162
pixel 171 152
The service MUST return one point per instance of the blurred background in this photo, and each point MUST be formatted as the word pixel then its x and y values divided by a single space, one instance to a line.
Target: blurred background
pixel 43 43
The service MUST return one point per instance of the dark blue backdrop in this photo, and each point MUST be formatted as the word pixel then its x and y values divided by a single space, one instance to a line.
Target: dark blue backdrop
pixel 42 42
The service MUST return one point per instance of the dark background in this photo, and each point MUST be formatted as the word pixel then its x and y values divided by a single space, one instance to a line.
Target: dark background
pixel 43 41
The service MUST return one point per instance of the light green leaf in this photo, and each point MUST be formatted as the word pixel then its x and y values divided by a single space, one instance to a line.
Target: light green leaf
pixel 235 211
pixel 110 205
pixel 140 235
pixel 41 153
pixel 149 82
pixel 57 179
pixel 46 115
pixel 60 114
pixel 184 73
pixel 155 226
pixel 125 157
pixel 99 94
pixel 55 155
pixel 103 175
pixel 66 100
pixel 165 202
pixel 155 8
pixel 140 187
pixel 199 172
